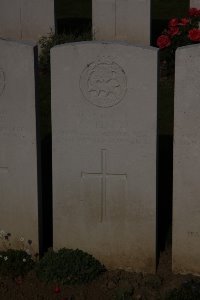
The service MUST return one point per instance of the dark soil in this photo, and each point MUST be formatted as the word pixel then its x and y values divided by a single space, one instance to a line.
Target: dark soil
pixel 116 285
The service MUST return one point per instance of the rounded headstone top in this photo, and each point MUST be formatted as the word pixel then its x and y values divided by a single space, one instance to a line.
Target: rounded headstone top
pixel 103 83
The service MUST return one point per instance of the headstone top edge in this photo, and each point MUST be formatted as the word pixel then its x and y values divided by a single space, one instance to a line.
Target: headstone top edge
pixel 183 48
pixel 19 42
pixel 109 43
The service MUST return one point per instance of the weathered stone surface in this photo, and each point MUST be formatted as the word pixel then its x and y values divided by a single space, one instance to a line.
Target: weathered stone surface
pixel 26 19
pixel 104 112
pixel 122 20
pixel 186 205
pixel 18 155
pixel 195 3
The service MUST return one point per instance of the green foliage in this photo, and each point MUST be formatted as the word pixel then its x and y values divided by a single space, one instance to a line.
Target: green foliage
pixel 15 263
pixel 124 294
pixel 47 42
pixel 189 290
pixel 68 266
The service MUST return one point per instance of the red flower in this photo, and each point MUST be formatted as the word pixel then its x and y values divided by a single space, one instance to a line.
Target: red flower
pixel 173 22
pixel 163 41
pixel 194 35
pixel 194 12
pixel 184 21
pixel 57 290
pixel 173 31
pixel 18 280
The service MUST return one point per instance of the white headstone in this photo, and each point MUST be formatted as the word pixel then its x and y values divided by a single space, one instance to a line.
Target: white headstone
pixel 26 19
pixel 104 112
pixel 186 204
pixel 18 154
pixel 195 3
pixel 122 20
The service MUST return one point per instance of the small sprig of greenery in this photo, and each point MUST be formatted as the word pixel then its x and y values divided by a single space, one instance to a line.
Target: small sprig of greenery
pixel 124 294
pixel 68 266
pixel 53 39
pixel 15 263
pixel 8 241
pixel 189 290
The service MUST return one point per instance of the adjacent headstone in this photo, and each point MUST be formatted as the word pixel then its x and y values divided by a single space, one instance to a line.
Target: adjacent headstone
pixel 186 204
pixel 26 19
pixel 195 3
pixel 104 112
pixel 18 150
pixel 122 20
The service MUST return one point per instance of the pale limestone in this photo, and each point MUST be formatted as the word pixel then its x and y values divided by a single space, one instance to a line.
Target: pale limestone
pixel 26 19
pixel 186 204
pixel 195 3
pixel 122 20
pixel 18 155
pixel 104 116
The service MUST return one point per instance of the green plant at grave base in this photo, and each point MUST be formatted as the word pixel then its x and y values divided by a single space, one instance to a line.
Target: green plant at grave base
pixel 51 40
pixel 68 266
pixel 180 32
pixel 15 263
pixel 189 290
pixel 124 294
pixel 8 241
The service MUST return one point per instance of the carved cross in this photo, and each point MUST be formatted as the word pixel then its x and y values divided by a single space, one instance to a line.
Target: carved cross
pixel 104 175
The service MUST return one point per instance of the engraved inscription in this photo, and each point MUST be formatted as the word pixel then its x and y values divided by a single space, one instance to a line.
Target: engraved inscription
pixel 103 175
pixel 13 132
pixel 193 234
pixel 103 83
pixel 107 137
pixel 2 81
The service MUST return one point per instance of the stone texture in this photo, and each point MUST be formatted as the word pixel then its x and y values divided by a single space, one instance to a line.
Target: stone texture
pixel 195 3
pixel 26 19
pixel 104 114
pixel 18 155
pixel 186 205
pixel 122 20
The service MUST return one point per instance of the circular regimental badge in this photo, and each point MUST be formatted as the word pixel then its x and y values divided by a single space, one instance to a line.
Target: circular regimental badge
pixel 103 83
pixel 2 81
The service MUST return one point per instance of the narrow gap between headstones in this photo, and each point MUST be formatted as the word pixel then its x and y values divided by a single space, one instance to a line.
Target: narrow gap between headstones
pixel 165 127
pixel 46 211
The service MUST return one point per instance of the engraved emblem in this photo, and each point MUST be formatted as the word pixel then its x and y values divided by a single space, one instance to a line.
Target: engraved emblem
pixel 2 81
pixel 103 83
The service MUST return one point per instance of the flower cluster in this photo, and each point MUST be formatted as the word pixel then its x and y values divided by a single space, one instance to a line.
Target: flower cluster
pixel 179 32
